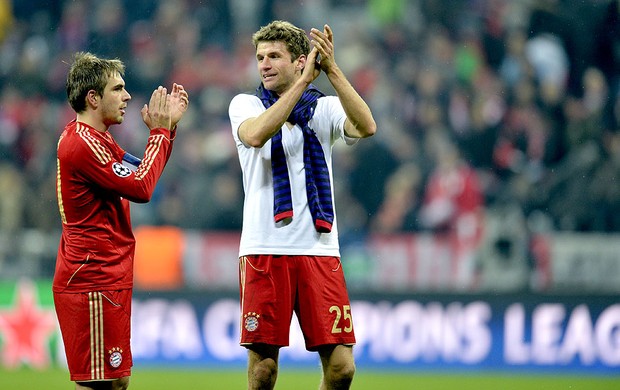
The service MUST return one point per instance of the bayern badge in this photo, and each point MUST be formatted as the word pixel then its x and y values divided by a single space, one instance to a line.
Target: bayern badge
pixel 116 357
pixel 250 321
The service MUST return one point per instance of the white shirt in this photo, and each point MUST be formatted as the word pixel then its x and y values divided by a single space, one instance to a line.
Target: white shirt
pixel 296 236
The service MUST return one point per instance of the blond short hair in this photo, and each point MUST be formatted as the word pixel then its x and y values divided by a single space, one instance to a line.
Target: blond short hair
pixel 89 72
pixel 294 38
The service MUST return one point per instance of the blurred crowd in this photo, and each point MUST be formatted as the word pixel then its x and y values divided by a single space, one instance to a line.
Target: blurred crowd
pixel 481 105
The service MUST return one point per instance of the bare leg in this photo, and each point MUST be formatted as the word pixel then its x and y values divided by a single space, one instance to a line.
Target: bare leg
pixel 338 367
pixel 262 366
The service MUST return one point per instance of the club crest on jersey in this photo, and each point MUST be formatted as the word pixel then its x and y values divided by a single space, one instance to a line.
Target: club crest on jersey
pixel 121 170
pixel 250 321
pixel 116 357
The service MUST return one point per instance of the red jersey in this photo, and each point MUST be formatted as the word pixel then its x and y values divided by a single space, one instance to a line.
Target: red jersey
pixel 94 188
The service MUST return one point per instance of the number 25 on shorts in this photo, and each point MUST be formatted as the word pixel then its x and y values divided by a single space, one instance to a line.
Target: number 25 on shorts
pixel 346 313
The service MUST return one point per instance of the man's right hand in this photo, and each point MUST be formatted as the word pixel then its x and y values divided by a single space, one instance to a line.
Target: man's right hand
pixel 312 69
pixel 158 112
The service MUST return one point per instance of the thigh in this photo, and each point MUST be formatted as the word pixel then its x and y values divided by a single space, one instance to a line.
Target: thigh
pixel 95 328
pixel 323 304
pixel 266 295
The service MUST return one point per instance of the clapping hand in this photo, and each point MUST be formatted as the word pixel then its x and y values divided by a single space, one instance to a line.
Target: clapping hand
pixel 321 57
pixel 165 110
pixel 323 42
pixel 179 101
pixel 157 113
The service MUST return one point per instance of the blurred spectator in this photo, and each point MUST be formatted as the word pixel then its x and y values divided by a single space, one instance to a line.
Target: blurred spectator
pixel 453 208
pixel 109 28
pixel 398 210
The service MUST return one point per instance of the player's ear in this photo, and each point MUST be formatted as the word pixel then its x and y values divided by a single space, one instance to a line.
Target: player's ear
pixel 301 62
pixel 92 98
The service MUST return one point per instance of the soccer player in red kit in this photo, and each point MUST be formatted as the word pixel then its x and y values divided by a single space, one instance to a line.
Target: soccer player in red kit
pixel 94 268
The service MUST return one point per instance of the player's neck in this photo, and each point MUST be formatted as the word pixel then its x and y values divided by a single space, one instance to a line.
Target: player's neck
pixel 91 119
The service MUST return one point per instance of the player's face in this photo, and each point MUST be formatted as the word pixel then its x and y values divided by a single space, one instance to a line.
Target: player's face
pixel 114 100
pixel 276 70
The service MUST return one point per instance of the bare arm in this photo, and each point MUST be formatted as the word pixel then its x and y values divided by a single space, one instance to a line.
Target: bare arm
pixel 360 122
pixel 258 130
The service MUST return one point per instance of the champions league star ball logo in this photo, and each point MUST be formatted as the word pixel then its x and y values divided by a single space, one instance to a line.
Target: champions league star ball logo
pixel 120 170
pixel 116 357
pixel 250 321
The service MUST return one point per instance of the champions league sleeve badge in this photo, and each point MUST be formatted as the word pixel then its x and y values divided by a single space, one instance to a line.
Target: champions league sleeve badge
pixel 250 321
pixel 116 357
pixel 120 170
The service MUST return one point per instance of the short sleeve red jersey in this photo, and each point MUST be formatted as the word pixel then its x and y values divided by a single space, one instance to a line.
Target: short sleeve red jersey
pixel 94 188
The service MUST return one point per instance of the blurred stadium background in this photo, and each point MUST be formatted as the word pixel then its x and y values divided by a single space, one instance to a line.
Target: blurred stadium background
pixel 479 227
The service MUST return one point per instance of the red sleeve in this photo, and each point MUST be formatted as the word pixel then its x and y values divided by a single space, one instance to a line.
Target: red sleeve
pixel 101 164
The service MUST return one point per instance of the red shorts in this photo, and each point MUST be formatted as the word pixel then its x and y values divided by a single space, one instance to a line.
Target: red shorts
pixel 272 287
pixel 96 328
